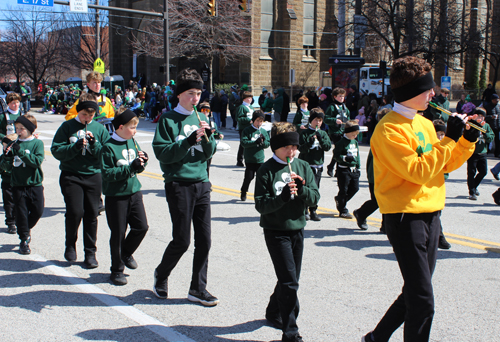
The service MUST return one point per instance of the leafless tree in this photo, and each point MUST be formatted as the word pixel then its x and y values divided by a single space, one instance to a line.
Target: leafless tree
pixel 32 46
pixel 195 34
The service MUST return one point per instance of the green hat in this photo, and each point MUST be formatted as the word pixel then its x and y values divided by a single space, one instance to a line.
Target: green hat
pixel 103 91
pixel 244 87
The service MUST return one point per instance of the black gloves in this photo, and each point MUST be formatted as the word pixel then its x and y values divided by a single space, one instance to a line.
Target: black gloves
pixel 192 138
pixel 472 134
pixel 318 136
pixel 300 186
pixel 79 144
pixel 136 164
pixel 15 147
pixel 146 157
pixel 454 128
pixel 286 194
pixel 259 140
pixel 91 140
pixel 208 131
pixel 349 158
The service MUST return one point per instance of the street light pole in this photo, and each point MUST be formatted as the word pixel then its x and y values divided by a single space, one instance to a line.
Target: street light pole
pixel 98 30
pixel 166 42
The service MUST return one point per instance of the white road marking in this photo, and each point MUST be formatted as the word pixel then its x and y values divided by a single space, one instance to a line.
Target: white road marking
pixel 134 314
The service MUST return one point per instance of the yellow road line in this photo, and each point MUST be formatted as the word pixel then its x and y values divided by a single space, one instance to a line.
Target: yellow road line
pixel 484 245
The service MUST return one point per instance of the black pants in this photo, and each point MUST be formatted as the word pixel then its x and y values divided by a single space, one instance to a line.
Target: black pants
pixel 348 183
pixel 335 138
pixel 476 163
pixel 120 212
pixel 285 249
pixel 317 171
pixel 233 116
pixel 369 206
pixel 250 170
pixel 284 116
pixel 209 162
pixel 81 195
pixel 414 239
pixel 223 116
pixel 29 207
pixel 8 203
pixel 188 202
pixel 239 157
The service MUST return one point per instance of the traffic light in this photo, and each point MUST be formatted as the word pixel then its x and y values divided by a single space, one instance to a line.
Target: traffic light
pixel 243 5
pixel 211 8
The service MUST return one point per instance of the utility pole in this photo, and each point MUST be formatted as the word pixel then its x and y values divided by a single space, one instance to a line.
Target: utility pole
pixel 341 35
pixel 357 11
pixel 166 42
pixel 98 30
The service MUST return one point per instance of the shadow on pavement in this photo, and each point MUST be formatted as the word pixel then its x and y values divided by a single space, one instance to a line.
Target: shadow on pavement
pixel 49 212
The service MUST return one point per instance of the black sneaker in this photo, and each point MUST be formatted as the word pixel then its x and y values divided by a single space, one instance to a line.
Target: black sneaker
pixel 443 244
pixel 11 229
pixel 275 321
pixel 329 171
pixel 314 216
pixel 294 338
pixel 476 192
pixel 240 164
pixel 472 197
pixel 361 224
pixel 130 262
pixel 345 216
pixel 24 247
pixel 160 288
pixel 368 338
pixel 70 254
pixel 90 261
pixel 243 196
pixel 118 278
pixel 203 297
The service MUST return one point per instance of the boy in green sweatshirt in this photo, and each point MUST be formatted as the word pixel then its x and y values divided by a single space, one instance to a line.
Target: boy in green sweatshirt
pixel 7 127
pixel 24 157
pixel 183 143
pixel 244 116
pixel 336 116
pixel 346 153
pixel 284 189
pixel 122 160
pixel 77 145
pixel 313 144
pixel 477 164
pixel 254 140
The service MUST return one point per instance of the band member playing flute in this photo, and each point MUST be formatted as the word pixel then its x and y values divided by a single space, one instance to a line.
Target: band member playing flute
pixel 180 146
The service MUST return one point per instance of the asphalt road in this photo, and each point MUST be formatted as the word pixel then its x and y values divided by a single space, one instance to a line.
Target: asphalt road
pixel 349 277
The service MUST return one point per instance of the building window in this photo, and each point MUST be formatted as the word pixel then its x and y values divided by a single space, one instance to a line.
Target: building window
pixel 266 25
pixel 308 32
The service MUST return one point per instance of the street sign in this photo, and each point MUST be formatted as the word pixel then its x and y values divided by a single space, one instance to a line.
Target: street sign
pixel 79 6
pixel 99 66
pixel 46 3
pixel 346 61
pixel 446 82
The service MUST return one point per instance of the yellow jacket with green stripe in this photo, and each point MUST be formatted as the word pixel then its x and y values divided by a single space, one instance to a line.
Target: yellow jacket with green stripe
pixel 106 110
pixel 409 164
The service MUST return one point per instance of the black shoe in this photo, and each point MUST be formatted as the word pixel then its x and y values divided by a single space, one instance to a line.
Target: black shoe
pixel 70 254
pixel 275 321
pixel 314 216
pixel 24 247
pixel 11 229
pixel 329 171
pixel 118 278
pixel 243 196
pixel 90 261
pixel 308 217
pixel 368 338
pixel 361 223
pixel 294 338
pixel 345 216
pixel 476 192
pixel 160 288
pixel 472 197
pixel 130 262
pixel 203 297
pixel 443 244
pixel 240 164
